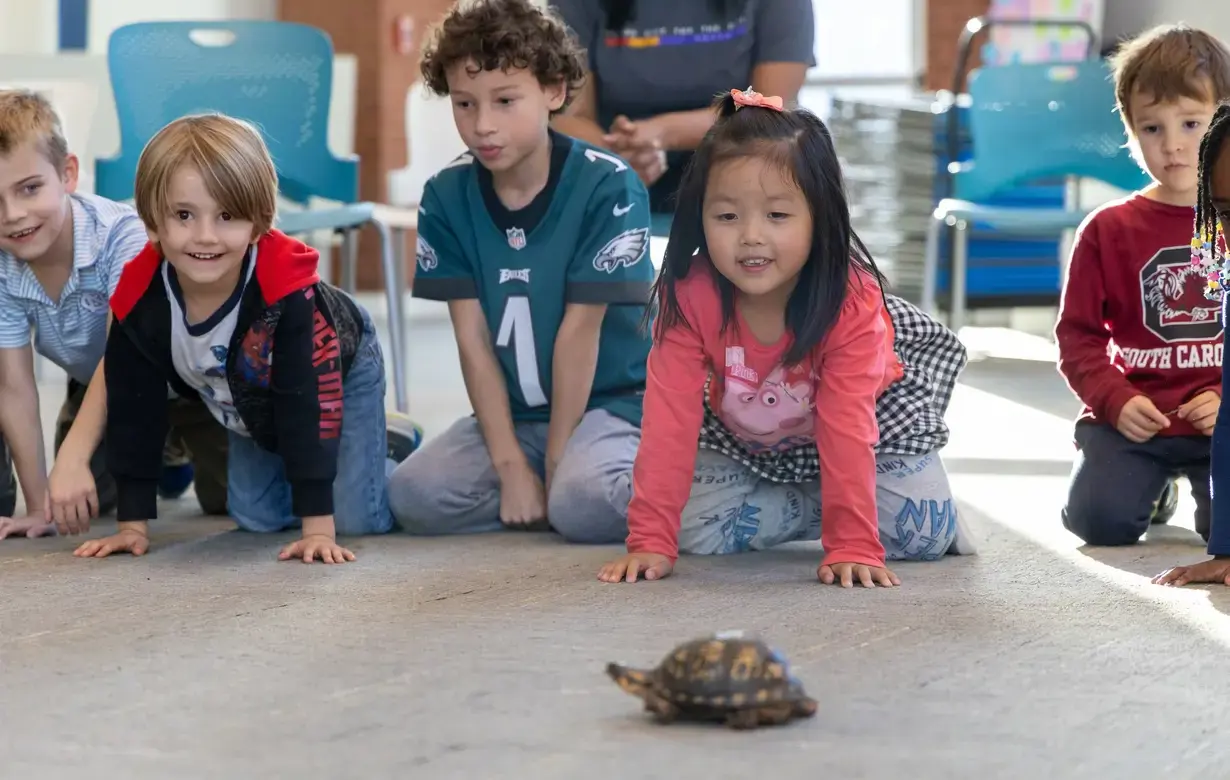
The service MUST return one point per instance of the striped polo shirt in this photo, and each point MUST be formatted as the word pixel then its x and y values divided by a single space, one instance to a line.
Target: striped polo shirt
pixel 72 334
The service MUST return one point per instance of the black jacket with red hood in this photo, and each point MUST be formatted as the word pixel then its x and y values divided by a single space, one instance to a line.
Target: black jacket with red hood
pixel 294 409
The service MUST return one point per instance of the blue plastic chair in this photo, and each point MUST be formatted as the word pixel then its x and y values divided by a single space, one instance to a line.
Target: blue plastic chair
pixel 279 76
pixel 1028 122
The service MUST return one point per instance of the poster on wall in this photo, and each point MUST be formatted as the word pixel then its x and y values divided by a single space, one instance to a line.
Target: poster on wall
pixel 1008 45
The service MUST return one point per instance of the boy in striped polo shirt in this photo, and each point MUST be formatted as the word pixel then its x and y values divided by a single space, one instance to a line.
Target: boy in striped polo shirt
pixel 61 253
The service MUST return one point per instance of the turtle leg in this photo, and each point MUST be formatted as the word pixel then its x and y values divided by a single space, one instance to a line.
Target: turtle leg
pixel 805 707
pixel 764 715
pixel 776 714
pixel 664 709
pixel 743 719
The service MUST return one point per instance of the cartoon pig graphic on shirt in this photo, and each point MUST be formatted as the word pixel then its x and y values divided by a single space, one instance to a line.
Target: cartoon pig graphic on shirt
pixel 777 415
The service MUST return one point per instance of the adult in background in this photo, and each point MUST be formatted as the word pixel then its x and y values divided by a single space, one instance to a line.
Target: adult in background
pixel 655 66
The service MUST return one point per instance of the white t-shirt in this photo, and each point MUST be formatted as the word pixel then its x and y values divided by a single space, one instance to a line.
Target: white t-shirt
pixel 199 351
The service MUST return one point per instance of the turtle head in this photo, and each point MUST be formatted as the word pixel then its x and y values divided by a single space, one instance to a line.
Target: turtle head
pixel 634 681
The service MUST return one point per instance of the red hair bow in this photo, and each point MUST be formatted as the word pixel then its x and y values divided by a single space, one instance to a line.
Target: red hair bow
pixel 749 97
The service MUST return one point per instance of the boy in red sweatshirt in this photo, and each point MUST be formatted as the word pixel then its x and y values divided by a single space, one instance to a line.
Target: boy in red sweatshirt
pixel 1139 343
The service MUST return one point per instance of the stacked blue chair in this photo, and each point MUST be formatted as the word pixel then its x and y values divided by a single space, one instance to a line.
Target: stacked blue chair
pixel 279 76
pixel 1028 122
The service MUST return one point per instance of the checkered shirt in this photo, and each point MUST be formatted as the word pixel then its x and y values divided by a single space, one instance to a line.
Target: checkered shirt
pixel 910 413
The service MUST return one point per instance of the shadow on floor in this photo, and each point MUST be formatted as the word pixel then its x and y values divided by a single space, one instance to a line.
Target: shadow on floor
pixel 1162 548
pixel 1033 383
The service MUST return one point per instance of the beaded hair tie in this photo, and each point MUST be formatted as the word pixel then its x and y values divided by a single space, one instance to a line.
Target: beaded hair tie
pixel 1209 253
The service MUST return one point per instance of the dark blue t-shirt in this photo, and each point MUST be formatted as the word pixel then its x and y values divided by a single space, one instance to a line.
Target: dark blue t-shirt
pixel 677 55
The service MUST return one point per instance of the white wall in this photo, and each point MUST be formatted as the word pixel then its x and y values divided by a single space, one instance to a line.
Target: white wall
pixel 29 26
pixel 1128 17
pixel 106 15
pixel 32 26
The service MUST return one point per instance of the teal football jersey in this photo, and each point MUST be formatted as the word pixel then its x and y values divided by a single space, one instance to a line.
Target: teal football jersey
pixel 590 245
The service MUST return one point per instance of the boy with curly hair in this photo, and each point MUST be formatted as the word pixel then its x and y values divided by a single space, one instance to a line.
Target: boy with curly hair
pixel 1138 342
pixel 539 244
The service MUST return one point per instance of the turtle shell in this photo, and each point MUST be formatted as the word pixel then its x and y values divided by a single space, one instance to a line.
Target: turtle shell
pixel 722 673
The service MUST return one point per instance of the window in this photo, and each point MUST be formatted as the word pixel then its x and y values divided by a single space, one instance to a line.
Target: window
pixel 866 39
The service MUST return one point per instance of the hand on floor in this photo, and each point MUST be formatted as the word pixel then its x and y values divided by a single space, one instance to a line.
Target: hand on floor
pixel 629 566
pixel 1214 570
pixel 127 540
pixel 31 526
pixel 868 576
pixel 72 496
pixel 313 546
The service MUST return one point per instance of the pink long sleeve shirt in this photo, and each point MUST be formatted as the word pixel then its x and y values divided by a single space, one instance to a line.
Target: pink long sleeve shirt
pixel 830 399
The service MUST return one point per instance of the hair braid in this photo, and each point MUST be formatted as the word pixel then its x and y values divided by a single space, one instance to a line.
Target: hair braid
pixel 1209 240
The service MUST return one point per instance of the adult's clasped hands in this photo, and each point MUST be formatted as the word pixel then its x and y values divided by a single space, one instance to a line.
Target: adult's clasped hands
pixel 640 143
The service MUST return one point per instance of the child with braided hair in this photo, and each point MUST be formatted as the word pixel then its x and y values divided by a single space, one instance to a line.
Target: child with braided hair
pixel 1209 249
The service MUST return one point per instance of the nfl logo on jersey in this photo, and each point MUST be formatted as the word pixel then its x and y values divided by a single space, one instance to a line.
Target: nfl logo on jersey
pixel 516 238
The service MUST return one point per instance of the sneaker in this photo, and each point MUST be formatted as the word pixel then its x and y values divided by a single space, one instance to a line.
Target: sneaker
pixel 1166 504
pixel 175 480
pixel 404 436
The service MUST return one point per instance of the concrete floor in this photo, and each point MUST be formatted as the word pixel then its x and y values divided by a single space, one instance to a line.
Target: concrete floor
pixel 483 657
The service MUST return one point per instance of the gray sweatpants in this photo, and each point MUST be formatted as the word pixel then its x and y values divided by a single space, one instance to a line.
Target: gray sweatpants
pixel 449 485
pixel 731 510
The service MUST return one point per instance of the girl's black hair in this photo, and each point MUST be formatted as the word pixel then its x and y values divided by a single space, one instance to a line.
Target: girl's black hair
pixel 1213 143
pixel 620 12
pixel 801 143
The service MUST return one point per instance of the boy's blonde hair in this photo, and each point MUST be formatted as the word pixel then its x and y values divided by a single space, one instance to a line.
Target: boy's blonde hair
pixel 28 116
pixel 1169 62
pixel 232 158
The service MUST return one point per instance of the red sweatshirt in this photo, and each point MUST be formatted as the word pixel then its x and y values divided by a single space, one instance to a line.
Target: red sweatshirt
pixel 1134 319
pixel 829 400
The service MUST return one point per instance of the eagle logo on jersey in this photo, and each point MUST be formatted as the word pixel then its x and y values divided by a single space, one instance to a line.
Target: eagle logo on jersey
pixel 425 254
pixel 625 249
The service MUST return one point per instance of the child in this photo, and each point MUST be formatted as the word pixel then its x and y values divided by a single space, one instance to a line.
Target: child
pixel 772 346
pixel 1138 342
pixel 1210 252
pixel 61 253
pixel 225 308
pixel 539 243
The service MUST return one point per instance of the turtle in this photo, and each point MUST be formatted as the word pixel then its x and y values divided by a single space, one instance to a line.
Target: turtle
pixel 722 677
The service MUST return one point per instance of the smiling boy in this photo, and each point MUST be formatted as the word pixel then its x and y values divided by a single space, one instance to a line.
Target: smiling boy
pixel 61 254
pixel 1138 342
pixel 539 244
pixel 227 309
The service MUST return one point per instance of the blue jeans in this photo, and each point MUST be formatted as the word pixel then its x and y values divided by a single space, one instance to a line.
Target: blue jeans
pixel 258 495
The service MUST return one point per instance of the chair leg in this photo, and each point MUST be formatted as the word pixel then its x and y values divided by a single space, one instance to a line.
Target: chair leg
pixel 350 260
pixel 931 262
pixel 960 256
pixel 389 259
